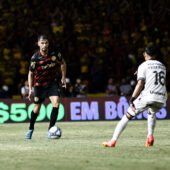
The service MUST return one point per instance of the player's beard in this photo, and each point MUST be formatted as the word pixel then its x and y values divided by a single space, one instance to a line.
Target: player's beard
pixel 44 50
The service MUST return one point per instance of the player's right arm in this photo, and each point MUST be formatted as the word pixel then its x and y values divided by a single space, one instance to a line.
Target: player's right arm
pixel 32 68
pixel 138 88
pixel 141 75
pixel 136 92
pixel 30 83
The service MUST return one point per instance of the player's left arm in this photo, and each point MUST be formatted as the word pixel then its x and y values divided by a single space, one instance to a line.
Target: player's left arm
pixel 136 92
pixel 63 72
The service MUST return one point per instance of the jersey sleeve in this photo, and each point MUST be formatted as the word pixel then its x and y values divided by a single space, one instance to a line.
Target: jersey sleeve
pixel 32 64
pixel 141 72
pixel 58 55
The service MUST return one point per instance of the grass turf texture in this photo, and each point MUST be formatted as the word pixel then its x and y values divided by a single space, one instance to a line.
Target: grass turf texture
pixel 80 147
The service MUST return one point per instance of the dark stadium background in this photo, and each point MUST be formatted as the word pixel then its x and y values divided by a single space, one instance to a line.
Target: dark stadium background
pixel 98 38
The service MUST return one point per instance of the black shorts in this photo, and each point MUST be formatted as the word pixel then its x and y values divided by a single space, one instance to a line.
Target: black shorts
pixel 41 92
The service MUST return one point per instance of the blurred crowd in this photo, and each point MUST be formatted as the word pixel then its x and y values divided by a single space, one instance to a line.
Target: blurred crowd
pixel 99 39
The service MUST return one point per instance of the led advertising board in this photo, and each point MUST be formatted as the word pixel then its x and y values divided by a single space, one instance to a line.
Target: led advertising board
pixel 73 109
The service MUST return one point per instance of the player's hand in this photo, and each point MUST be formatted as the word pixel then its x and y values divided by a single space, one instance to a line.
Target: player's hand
pixel 136 72
pixel 131 103
pixel 132 107
pixel 30 94
pixel 63 81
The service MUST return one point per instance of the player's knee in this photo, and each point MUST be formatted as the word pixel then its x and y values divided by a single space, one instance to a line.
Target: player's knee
pixel 55 101
pixel 149 112
pixel 36 108
pixel 129 116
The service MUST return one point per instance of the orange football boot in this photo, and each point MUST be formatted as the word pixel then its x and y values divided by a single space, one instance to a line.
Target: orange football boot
pixel 111 143
pixel 149 140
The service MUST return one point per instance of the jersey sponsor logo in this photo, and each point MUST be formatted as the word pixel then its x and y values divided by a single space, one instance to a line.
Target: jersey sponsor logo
pixel 157 93
pixel 156 67
pixel 48 66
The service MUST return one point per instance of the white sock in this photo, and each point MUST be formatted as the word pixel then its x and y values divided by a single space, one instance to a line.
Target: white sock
pixel 120 127
pixel 151 123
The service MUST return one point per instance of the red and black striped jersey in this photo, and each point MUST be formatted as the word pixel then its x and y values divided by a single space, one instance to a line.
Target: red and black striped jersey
pixel 46 68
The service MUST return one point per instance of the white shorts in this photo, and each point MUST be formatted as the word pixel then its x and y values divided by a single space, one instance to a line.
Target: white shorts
pixel 141 104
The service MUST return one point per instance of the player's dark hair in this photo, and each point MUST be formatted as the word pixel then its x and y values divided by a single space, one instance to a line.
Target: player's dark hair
pixel 42 36
pixel 151 50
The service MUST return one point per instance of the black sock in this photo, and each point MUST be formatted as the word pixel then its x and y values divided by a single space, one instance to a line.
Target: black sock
pixel 53 118
pixel 33 119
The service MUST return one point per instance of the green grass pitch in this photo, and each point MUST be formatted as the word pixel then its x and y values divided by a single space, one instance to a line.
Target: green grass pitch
pixel 80 147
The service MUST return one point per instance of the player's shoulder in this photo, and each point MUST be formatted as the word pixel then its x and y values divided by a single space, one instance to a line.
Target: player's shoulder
pixel 161 63
pixel 148 62
pixel 35 56
pixel 143 64
pixel 155 62
pixel 58 54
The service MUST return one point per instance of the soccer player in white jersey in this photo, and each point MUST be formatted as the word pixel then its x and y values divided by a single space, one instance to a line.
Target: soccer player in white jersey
pixel 149 94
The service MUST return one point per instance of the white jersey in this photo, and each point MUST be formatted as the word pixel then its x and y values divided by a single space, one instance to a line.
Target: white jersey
pixel 154 74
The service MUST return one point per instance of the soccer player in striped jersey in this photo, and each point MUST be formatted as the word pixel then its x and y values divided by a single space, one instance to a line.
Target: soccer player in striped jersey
pixel 44 72
pixel 150 93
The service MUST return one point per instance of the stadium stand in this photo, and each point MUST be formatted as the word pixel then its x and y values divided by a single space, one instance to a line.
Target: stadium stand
pixel 99 38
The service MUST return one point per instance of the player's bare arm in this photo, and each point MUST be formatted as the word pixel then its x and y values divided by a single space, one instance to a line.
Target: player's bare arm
pixel 30 82
pixel 63 72
pixel 136 72
pixel 136 92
